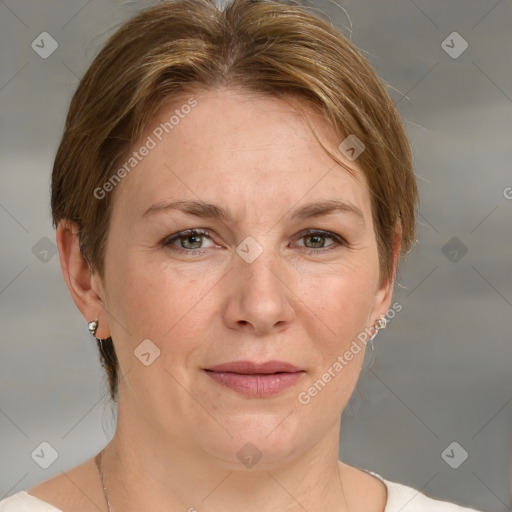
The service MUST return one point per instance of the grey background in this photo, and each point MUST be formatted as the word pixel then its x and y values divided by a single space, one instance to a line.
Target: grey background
pixel 442 368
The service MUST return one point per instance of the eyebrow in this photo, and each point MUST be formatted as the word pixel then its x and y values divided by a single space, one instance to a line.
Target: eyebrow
pixel 212 211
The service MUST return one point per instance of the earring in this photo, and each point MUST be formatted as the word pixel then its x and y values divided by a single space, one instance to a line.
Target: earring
pixel 380 324
pixel 93 326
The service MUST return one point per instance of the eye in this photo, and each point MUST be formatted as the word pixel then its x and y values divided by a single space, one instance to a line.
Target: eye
pixel 190 240
pixel 315 240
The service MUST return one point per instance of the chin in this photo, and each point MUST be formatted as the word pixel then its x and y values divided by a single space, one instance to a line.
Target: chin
pixel 259 441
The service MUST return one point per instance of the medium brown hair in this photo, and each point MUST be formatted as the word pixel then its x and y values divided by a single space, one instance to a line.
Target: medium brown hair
pixel 264 46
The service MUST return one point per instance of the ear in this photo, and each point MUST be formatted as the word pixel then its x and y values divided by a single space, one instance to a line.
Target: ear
pixel 384 293
pixel 84 286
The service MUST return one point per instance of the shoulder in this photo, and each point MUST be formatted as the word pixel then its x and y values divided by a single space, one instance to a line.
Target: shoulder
pixel 24 502
pixel 77 490
pixel 402 498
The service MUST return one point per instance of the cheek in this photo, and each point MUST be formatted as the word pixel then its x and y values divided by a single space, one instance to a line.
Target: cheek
pixel 158 301
pixel 341 305
pixel 341 301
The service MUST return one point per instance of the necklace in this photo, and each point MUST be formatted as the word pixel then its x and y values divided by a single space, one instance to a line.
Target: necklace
pixel 98 465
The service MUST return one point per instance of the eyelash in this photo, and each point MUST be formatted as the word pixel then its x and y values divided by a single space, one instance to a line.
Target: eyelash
pixel 338 240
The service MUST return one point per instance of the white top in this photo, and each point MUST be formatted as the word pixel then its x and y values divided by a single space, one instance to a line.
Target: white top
pixel 401 498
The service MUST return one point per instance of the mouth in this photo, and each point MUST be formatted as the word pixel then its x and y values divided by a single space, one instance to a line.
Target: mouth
pixel 256 380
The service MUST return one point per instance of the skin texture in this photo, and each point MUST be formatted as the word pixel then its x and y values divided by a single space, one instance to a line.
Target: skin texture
pixel 179 431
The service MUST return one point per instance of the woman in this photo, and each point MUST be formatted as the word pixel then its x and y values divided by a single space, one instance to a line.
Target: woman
pixel 232 194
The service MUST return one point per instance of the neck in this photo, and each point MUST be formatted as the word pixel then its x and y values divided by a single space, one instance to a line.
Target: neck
pixel 147 471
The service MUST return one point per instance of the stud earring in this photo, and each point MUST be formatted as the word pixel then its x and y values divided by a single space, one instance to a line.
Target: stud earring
pixel 93 326
pixel 380 324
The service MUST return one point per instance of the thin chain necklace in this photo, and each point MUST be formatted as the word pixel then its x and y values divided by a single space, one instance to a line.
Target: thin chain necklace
pixel 98 465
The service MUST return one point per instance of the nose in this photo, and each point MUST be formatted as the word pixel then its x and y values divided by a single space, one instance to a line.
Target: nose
pixel 259 298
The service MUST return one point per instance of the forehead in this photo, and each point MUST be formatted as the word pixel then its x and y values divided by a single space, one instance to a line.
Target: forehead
pixel 228 146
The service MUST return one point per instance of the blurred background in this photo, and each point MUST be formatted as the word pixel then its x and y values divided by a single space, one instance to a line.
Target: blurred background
pixel 433 406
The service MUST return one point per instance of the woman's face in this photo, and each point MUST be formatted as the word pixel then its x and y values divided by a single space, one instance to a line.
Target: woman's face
pixel 251 286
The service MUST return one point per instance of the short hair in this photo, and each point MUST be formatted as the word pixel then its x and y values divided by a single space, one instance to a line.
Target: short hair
pixel 285 50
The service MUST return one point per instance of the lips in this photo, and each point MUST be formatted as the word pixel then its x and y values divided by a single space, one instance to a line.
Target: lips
pixel 250 368
pixel 256 380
